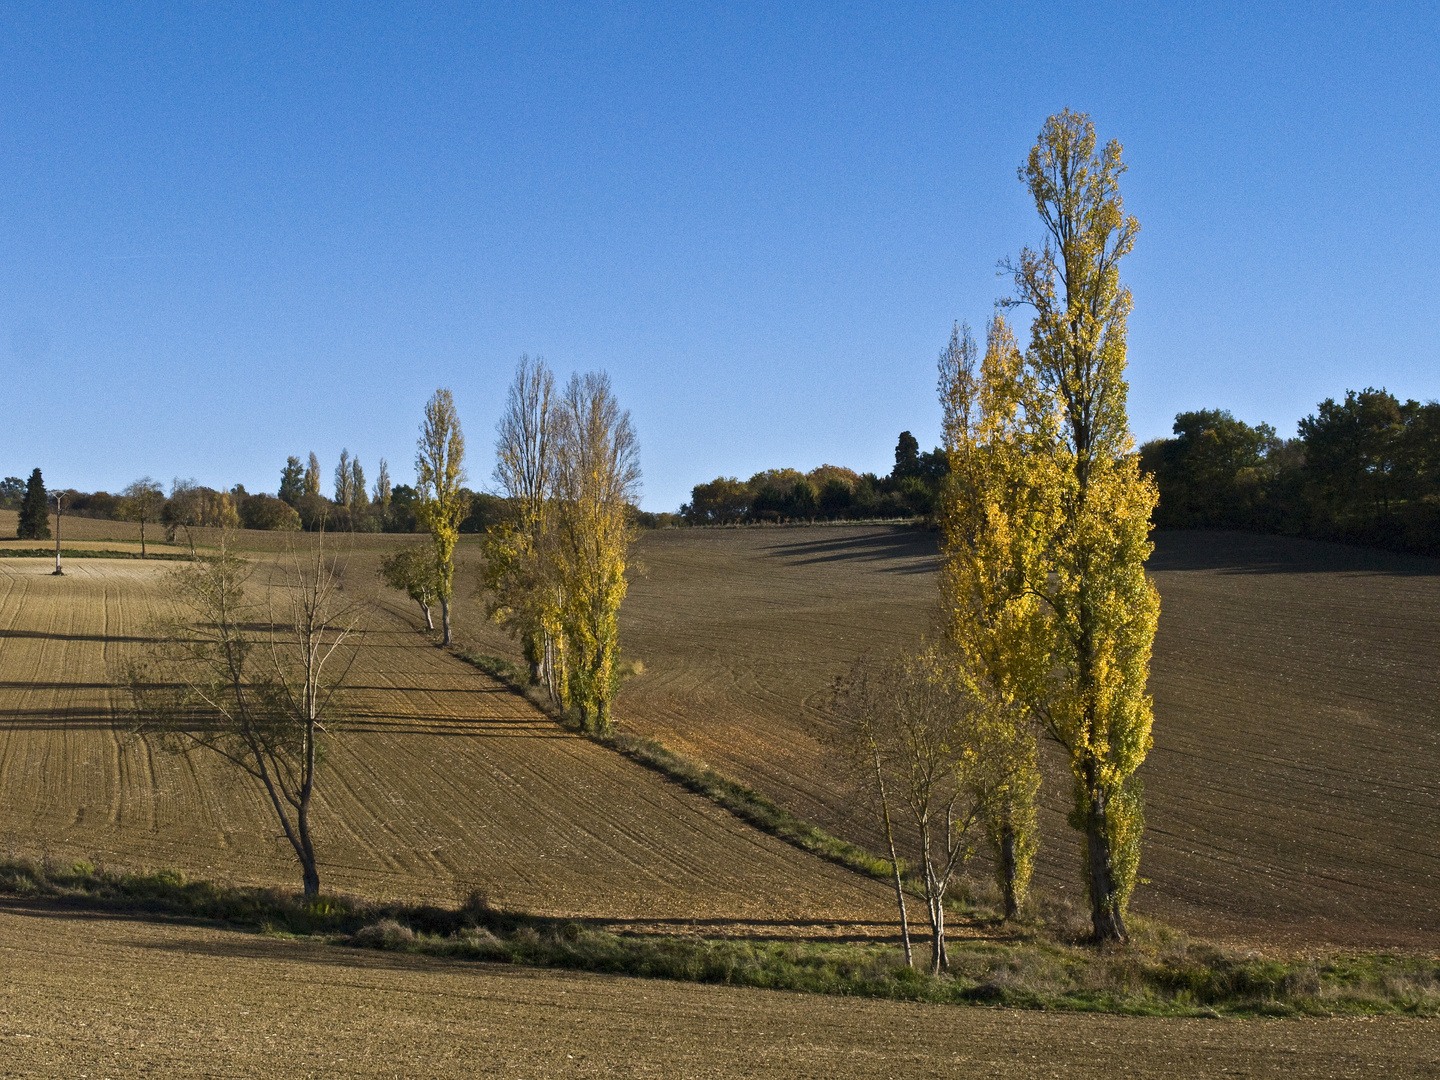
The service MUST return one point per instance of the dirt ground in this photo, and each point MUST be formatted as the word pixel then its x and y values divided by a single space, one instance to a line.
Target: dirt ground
pixel 88 996
pixel 1292 795
pixel 440 781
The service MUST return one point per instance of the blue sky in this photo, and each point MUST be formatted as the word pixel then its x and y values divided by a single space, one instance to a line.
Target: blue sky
pixel 229 234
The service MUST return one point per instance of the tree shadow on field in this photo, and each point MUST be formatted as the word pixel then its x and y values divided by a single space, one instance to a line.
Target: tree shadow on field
pixel 1228 552
pixel 919 551
pixel 45 635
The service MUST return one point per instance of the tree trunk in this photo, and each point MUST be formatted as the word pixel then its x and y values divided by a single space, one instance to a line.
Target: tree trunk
pixel 445 620
pixel 142 538
pixel 1105 917
pixel 309 871
pixel 429 621
pixel 1008 868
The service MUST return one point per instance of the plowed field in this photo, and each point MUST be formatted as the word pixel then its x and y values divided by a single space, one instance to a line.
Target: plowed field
pixel 1294 790
pixel 441 781
pixel 99 997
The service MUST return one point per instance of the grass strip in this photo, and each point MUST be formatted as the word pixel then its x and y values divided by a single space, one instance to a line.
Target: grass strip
pixel 87 553
pixel 1161 974
pixel 741 800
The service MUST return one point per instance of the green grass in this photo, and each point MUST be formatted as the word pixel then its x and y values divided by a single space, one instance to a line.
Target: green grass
pixel 86 553
pixel 1161 973
pixel 744 802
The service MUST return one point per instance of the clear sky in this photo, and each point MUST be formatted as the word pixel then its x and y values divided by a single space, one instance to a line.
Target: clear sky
pixel 229 233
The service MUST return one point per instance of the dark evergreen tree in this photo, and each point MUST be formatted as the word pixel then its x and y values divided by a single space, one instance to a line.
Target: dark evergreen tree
pixel 292 481
pixel 34 518
pixel 907 457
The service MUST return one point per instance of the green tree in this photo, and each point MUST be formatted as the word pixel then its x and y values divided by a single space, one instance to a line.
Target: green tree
pixel 142 502
pixel 34 522
pixel 440 503
pixel 292 481
pixel 907 457
pixel 1080 461
pixel 413 571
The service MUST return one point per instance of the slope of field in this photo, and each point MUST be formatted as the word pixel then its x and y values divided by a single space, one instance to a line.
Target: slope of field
pixel 1294 790
pixel 94 996
pixel 441 781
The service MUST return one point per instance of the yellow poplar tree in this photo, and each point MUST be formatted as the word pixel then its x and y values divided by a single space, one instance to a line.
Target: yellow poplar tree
pixel 1080 464
pixel 597 477
pixel 440 503
pixel 989 518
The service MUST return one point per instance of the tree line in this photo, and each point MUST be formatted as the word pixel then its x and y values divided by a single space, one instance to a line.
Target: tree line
pixel 827 493
pixel 1362 470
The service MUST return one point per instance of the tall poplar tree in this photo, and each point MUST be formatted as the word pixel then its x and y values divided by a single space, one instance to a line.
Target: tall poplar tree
pixel 519 556
pixel 990 518
pixel 597 477
pixel 1089 570
pixel 440 504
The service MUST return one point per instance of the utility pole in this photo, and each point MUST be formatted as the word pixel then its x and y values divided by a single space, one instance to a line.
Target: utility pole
pixel 59 497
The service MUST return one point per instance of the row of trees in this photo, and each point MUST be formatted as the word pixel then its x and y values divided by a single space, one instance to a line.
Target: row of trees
pixel 568 463
pixel 828 493
pixel 253 670
pixel 1048 617
pixel 1363 470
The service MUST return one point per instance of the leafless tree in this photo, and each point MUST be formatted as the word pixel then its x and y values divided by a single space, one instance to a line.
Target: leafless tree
pixel 258 700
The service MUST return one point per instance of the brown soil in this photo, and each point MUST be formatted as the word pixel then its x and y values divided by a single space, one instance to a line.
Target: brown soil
pixel 1291 795
pixel 96 997
pixel 441 781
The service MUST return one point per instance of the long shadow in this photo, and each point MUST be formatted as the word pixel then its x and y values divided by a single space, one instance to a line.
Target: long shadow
pixel 919 550
pixel 1230 552
pixel 47 635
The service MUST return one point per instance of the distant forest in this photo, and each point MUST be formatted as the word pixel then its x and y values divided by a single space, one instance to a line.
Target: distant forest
pixel 1365 470
pixel 829 493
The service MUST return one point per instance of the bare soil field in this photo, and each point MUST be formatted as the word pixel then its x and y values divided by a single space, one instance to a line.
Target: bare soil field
pixel 1293 795
pixel 442 781
pixel 86 995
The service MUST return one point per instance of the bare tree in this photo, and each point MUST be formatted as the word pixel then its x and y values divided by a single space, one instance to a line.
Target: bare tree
pixel 861 710
pixel 523 593
pixel 258 701
pixel 142 502
pixel 922 739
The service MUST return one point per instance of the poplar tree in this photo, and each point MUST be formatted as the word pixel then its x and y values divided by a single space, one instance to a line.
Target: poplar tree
pixel 597 477
pixel 312 475
pixel 990 516
pixel 519 567
pixel 383 488
pixel 359 500
pixel 344 481
pixel 1080 467
pixel 440 504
